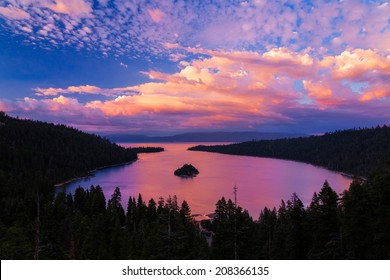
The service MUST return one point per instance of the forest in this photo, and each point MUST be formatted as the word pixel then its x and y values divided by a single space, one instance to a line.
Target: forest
pixel 354 151
pixel 83 225
pixel 37 224
pixel 34 156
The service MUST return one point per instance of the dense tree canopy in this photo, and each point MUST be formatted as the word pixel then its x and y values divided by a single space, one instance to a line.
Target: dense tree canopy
pixel 354 151
pixel 33 157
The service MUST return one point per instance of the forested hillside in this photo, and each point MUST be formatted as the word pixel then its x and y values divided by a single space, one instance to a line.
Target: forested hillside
pixel 55 152
pixel 355 151
pixel 36 155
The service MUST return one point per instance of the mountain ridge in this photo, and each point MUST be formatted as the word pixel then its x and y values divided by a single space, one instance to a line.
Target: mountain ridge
pixel 218 136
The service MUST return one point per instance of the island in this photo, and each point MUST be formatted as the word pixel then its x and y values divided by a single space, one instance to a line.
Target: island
pixel 187 170
pixel 147 150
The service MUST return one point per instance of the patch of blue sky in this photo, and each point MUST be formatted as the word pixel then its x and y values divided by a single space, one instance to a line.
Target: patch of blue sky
pixel 298 85
pixel 355 87
pixel 289 5
pixel 322 72
pixel 328 39
pixel 305 100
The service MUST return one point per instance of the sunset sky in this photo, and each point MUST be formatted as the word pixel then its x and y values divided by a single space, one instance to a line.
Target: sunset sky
pixel 165 67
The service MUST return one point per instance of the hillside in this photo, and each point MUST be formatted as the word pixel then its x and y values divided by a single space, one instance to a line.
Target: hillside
pixel 54 152
pixel 355 151
pixel 33 157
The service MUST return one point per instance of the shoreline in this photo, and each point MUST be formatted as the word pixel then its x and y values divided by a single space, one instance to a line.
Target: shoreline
pixel 347 175
pixel 91 173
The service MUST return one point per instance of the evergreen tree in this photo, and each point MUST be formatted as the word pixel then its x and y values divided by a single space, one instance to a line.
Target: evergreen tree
pixel 279 244
pixel 324 224
pixel 357 224
pixel 379 192
pixel 296 240
pixel 265 233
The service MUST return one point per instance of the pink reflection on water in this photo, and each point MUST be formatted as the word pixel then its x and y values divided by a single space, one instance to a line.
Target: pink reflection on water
pixel 261 181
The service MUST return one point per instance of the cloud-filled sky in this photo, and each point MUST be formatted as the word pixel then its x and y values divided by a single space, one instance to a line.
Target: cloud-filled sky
pixel 164 67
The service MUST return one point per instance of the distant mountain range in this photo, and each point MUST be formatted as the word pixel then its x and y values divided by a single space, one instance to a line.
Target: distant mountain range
pixel 202 137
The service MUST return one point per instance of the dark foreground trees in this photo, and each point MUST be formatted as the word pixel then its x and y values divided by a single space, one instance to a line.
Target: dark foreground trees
pixel 354 225
pixel 33 157
pixel 84 226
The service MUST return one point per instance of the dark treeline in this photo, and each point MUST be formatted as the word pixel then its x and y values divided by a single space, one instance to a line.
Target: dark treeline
pixel 354 225
pixel 85 226
pixel 55 152
pixel 33 157
pixel 355 151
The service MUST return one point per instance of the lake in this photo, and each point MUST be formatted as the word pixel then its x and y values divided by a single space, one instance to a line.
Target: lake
pixel 260 181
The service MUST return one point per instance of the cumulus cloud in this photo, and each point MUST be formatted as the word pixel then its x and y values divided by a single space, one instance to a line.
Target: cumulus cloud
pixel 58 104
pixel 353 63
pixel 377 93
pixel 234 89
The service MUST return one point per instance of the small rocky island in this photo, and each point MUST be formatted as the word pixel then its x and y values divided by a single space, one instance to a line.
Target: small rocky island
pixel 187 170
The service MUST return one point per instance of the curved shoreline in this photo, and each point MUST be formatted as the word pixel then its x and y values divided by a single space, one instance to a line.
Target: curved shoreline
pixel 342 173
pixel 91 173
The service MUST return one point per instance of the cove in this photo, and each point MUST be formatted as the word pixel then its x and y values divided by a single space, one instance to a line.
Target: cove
pixel 261 181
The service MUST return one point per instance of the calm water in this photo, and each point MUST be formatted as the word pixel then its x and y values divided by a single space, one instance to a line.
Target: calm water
pixel 261 181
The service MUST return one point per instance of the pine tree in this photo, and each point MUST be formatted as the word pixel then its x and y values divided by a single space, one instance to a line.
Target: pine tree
pixel 357 222
pixel 324 224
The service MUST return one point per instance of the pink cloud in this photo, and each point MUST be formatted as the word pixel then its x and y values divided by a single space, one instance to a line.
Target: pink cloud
pixel 354 63
pixel 223 85
pixel 373 94
pixel 286 55
pixel 322 94
pixel 14 13
pixel 176 56
pixel 223 89
pixel 6 105
pixel 87 89
pixel 156 14
pixel 74 8
pixel 317 90
pixel 58 106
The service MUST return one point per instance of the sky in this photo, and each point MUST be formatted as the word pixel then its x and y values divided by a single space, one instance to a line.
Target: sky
pixel 166 67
